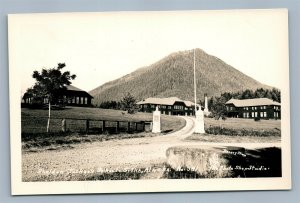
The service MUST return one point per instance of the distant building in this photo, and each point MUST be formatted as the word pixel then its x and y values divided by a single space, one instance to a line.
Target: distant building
pixel 262 108
pixel 73 96
pixel 77 97
pixel 168 106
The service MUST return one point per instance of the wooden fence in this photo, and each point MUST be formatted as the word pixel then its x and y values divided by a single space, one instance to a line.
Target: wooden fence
pixel 39 124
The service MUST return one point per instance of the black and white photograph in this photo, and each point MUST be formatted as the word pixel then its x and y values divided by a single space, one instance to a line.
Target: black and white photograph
pixel 152 101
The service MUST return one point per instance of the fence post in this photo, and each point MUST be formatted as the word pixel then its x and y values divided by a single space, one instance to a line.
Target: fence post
pixel 87 126
pixel 118 125
pixel 128 127
pixel 63 125
pixel 103 126
pixel 136 126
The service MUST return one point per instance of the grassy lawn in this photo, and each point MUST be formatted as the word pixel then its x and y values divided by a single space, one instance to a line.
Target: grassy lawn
pixel 239 123
pixel 87 113
pixel 235 130
pixel 34 122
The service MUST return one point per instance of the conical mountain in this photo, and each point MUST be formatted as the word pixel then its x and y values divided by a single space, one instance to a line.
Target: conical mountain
pixel 172 76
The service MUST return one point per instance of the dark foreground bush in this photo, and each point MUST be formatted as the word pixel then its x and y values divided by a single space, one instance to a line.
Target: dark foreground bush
pixel 240 163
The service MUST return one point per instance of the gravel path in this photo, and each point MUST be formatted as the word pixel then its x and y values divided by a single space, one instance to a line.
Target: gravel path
pixel 113 154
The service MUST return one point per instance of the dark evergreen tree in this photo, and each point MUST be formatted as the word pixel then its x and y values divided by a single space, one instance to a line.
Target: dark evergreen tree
pixel 129 103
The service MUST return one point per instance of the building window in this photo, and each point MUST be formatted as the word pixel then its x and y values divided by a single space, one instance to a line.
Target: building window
pixel 252 114
pixel 85 100
pixel 261 114
pixel 255 114
pixel 77 100
pixel 178 107
pixel 265 114
pixel 152 106
pixel 163 106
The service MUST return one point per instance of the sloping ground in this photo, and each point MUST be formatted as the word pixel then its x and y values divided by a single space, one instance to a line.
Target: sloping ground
pixel 172 76
pixel 35 120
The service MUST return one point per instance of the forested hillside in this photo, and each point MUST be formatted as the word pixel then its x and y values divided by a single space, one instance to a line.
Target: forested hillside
pixel 173 76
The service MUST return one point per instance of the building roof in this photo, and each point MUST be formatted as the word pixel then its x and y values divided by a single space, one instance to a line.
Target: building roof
pixel 73 88
pixel 165 101
pixel 252 102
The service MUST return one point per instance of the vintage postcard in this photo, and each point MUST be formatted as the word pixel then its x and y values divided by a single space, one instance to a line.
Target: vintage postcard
pixel 162 101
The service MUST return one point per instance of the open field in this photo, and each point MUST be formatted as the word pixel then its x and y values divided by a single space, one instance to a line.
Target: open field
pixel 34 123
pixel 235 130
pixel 87 113
pixel 239 123
pixel 35 120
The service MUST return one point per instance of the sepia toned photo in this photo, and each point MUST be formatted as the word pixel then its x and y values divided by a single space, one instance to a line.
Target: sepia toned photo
pixel 167 101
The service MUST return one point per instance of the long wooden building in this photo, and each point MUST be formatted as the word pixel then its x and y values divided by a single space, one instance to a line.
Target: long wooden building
pixel 168 106
pixel 262 108
pixel 73 96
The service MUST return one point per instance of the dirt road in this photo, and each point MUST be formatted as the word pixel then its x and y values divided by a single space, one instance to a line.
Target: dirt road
pixel 113 154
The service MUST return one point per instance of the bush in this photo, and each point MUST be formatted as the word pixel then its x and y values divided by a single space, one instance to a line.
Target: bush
pixel 257 119
pixel 216 130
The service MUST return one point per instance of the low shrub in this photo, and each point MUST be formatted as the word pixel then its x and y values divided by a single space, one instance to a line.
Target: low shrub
pixel 217 130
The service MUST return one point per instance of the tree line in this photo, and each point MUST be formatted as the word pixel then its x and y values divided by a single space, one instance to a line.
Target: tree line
pixel 127 103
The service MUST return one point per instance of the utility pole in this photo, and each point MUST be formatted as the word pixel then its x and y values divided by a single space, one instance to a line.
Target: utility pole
pixel 199 124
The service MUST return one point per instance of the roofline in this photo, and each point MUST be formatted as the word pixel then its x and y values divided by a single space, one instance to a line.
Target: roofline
pixel 274 103
pixel 156 103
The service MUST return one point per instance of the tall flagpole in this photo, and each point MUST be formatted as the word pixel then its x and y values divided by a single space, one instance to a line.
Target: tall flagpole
pixel 195 92
pixel 199 121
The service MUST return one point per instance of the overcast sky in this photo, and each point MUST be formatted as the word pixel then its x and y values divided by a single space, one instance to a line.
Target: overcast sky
pixel 100 47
